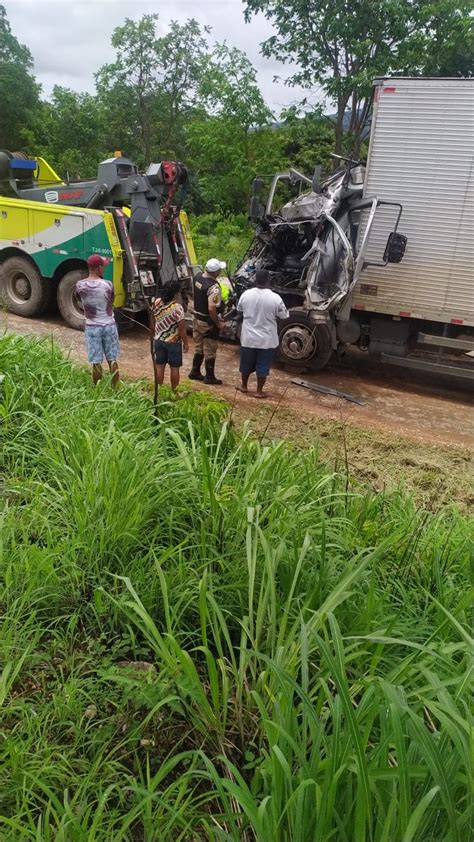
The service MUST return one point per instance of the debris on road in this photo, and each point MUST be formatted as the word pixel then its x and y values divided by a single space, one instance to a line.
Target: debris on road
pixel 325 390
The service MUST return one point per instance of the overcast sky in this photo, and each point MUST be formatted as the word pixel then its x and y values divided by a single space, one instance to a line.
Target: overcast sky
pixel 70 39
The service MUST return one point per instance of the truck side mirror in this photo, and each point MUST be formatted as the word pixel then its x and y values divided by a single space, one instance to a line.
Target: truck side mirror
pixel 316 183
pixel 395 248
pixel 256 207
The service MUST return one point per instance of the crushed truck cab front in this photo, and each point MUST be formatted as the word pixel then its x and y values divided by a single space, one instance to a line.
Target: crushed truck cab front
pixel 312 238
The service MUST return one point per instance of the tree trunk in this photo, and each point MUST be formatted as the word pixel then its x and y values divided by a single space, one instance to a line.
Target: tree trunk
pixel 338 132
pixel 356 147
pixel 362 114
pixel 339 127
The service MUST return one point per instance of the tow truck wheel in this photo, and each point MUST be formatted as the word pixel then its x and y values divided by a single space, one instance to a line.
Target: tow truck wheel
pixel 22 289
pixel 69 303
pixel 303 343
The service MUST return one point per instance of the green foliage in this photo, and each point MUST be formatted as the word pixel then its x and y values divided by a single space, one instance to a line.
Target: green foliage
pixel 152 85
pixel 177 95
pixel 453 41
pixel 73 143
pixel 225 159
pixel 342 47
pixel 18 89
pixel 306 140
pixel 225 238
pixel 205 638
pixel 229 88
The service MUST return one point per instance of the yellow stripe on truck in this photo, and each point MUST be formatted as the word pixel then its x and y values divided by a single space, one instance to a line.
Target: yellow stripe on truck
pixel 15 216
pixel 117 255
pixel 188 239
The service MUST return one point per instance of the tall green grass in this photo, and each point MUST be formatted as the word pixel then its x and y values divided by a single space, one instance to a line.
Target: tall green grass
pixel 206 638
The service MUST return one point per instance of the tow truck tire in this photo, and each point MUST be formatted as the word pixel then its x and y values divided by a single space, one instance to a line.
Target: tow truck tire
pixel 22 289
pixel 303 343
pixel 68 302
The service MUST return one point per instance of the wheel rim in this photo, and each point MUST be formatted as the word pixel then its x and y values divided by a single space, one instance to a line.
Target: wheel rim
pixel 19 287
pixel 298 342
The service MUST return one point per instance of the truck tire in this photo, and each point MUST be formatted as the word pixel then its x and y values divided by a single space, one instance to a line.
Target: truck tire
pixel 22 289
pixel 68 302
pixel 303 343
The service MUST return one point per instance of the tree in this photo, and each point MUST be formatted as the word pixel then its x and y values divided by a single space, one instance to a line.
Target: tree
pixel 229 87
pixel 452 52
pixel 306 141
pixel 184 99
pixel 181 57
pixel 127 86
pixel 152 85
pixel 342 45
pixel 69 132
pixel 19 93
pixel 221 145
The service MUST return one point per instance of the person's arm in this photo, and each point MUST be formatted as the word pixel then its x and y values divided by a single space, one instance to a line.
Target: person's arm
pixel 214 300
pixel 281 310
pixel 183 335
pixel 178 316
pixel 240 309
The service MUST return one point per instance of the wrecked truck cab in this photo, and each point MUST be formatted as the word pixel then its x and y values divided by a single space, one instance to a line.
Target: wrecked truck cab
pixel 306 235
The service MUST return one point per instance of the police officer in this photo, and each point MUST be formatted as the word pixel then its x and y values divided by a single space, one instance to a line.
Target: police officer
pixel 207 321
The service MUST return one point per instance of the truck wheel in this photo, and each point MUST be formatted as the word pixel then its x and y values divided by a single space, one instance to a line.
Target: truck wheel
pixel 304 343
pixel 69 303
pixel 22 289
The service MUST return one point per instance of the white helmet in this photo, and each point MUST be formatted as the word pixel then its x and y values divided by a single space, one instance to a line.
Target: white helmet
pixel 213 265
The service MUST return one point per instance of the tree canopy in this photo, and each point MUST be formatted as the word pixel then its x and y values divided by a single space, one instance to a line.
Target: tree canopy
pixel 171 92
pixel 19 90
pixel 342 45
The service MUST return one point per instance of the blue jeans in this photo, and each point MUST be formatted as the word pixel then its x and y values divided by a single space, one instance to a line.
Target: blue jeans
pixel 102 341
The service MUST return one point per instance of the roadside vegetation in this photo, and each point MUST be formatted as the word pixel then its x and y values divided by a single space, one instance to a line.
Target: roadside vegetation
pixel 206 637
pixel 228 238
pixel 434 475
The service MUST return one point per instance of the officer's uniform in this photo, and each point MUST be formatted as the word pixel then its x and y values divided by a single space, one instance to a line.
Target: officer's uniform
pixel 205 331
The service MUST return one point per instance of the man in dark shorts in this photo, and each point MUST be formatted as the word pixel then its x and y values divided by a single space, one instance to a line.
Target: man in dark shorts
pixel 261 308
pixel 170 333
pixel 101 334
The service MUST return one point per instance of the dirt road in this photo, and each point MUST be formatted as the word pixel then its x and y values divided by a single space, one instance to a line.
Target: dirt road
pixel 405 404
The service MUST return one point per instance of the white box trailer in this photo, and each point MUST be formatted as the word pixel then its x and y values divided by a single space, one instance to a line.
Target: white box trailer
pixel 421 154
pixel 378 255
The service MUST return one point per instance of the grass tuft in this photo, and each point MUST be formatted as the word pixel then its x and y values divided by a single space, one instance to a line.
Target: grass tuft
pixel 209 638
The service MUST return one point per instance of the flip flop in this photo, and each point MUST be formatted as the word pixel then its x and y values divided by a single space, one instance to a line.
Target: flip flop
pixel 242 390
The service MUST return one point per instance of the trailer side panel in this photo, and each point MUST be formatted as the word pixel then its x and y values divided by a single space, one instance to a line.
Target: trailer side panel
pixel 422 155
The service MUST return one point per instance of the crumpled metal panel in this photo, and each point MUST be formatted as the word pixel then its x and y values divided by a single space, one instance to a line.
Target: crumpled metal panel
pixel 307 206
